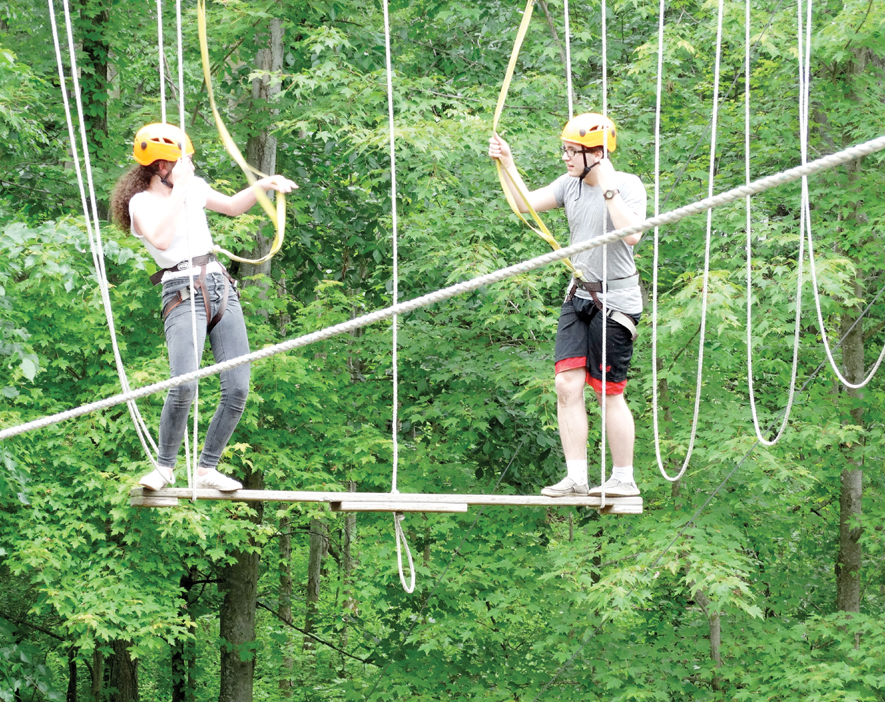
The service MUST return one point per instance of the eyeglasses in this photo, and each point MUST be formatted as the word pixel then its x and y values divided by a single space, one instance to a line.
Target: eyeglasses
pixel 570 151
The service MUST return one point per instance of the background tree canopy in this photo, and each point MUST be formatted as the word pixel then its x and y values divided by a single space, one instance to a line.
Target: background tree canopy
pixel 775 591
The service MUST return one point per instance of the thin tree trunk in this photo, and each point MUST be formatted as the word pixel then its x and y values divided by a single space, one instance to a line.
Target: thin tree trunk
pixel 182 653
pixel 237 616
pixel 318 548
pixel 347 566
pixel 71 695
pixel 286 682
pixel 261 150
pixel 715 621
pixel 848 561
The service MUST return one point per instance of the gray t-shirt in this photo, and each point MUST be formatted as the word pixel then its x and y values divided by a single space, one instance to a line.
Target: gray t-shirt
pixel 588 219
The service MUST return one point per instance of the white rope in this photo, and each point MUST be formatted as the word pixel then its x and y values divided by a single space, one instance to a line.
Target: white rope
pixel 706 277
pixel 604 64
pixel 788 176
pixel 401 539
pixel 568 62
pixel 397 517
pixel 161 61
pixel 191 462
pixel 796 333
pixel 393 212
pixel 806 215
pixel 95 242
pixel 603 404
pixel 655 261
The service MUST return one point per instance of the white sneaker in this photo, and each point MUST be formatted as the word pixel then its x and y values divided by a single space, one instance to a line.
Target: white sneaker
pixel 213 480
pixel 565 488
pixel 615 488
pixel 157 480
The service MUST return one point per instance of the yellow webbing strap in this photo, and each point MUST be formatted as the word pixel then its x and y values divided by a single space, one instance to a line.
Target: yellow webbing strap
pixel 510 173
pixel 277 215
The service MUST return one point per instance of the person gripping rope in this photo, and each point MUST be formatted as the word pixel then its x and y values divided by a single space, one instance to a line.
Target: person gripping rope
pixel 597 199
pixel 163 204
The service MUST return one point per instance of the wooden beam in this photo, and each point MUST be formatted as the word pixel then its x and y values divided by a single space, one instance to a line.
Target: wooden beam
pixel 613 505
pixel 393 506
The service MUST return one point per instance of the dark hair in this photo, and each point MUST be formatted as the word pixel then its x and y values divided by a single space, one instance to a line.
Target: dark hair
pixel 136 180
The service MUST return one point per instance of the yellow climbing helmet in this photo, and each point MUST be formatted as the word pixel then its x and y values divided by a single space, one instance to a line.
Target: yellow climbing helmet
pixel 590 129
pixel 160 142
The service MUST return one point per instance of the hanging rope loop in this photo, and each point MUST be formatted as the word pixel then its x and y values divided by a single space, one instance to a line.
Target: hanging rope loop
pixel 400 544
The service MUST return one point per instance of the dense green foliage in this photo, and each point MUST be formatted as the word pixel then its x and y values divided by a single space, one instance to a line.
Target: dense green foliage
pixel 508 600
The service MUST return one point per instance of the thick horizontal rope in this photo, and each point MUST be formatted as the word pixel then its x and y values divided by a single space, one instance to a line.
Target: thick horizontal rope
pixel 758 186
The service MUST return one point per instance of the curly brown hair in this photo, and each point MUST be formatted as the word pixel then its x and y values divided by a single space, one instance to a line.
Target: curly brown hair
pixel 136 180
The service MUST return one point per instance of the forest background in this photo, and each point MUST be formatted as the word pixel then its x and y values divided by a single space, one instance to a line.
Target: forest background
pixel 775 590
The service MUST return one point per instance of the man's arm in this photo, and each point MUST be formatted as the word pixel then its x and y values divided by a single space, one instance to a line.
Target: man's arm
pixel 541 199
pixel 618 209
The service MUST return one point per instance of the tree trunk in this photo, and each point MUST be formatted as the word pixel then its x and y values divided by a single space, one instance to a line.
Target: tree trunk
pixel 122 673
pixel 71 695
pixel 239 582
pixel 715 621
pixel 286 682
pixel 848 561
pixel 347 565
pixel 261 150
pixel 318 549
pixel 182 660
pixel 97 675
pixel 93 79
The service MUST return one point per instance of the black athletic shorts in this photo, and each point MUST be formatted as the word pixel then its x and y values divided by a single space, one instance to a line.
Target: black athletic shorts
pixel 579 345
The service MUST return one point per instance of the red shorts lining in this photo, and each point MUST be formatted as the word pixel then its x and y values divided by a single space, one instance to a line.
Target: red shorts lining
pixel 570 364
pixel 610 387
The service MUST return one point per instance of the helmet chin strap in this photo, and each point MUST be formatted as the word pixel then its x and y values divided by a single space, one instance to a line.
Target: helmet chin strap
pixel 587 170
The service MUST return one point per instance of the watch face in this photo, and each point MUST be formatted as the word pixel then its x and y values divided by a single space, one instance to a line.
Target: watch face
pixel 609 194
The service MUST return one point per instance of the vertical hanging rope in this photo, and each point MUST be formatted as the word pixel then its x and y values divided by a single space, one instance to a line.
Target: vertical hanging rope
pixel 397 517
pixel 796 334
pixel 603 442
pixel 706 275
pixel 161 61
pixel 568 61
pixel 806 211
pixel 656 254
pixel 93 227
pixel 191 463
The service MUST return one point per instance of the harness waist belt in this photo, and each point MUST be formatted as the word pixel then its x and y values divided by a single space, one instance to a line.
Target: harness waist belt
pixel 157 277
pixel 611 285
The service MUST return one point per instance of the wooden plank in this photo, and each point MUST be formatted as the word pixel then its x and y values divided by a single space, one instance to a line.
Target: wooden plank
pixel 148 500
pixel 391 506
pixel 402 498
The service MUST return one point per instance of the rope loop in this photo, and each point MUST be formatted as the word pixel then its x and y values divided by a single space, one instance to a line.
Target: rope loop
pixel 400 544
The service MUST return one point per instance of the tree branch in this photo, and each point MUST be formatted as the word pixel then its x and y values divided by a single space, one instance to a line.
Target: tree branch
pixel 315 638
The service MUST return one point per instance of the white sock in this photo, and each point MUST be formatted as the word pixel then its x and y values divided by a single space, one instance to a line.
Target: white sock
pixel 577 471
pixel 625 474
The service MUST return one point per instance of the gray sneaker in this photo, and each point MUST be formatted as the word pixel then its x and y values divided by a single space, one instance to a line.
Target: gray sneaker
pixel 615 488
pixel 565 488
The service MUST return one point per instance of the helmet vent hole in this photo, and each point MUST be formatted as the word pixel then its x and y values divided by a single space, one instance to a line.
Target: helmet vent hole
pixel 143 145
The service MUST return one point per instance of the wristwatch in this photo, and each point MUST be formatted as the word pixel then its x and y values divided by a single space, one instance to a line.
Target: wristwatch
pixel 609 194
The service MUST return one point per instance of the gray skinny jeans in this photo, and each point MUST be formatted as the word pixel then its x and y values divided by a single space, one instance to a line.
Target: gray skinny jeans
pixel 228 340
